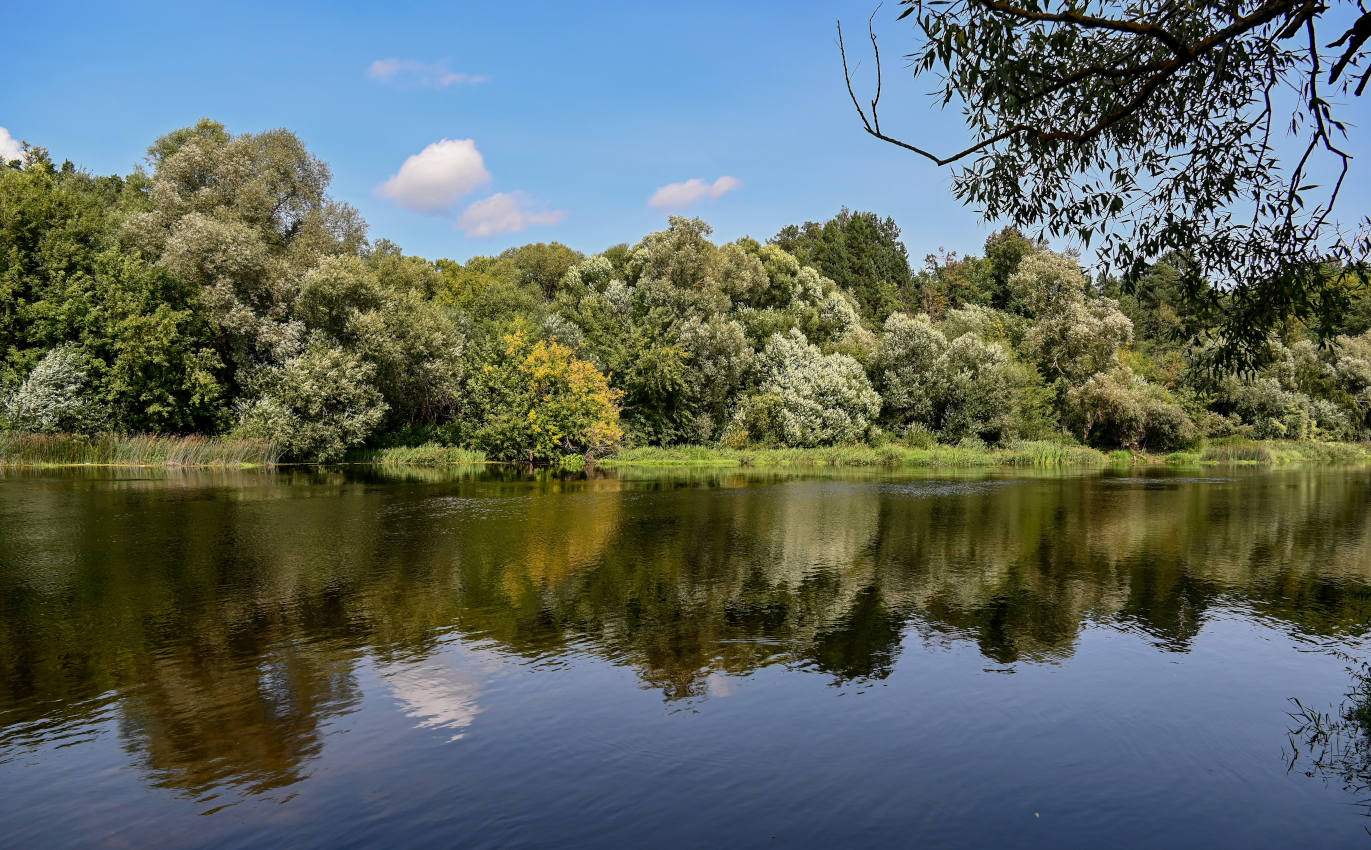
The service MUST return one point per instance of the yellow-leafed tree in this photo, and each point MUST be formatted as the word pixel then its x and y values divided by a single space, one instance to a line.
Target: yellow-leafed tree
pixel 541 402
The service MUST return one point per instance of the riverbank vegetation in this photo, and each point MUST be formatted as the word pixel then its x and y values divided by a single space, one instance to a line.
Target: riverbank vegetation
pixel 221 302
pixel 1036 453
pixel 891 455
pixel 1336 745
pixel 25 449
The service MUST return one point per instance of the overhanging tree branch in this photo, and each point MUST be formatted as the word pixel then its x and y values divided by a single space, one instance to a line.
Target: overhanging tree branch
pixel 1148 124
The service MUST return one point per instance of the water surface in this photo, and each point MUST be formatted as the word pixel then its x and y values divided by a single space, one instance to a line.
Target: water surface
pixel 499 659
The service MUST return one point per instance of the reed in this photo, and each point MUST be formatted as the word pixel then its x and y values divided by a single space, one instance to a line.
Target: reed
pixel 1292 451
pixel 1019 453
pixel 429 454
pixel 18 448
pixel 1184 459
pixel 1236 451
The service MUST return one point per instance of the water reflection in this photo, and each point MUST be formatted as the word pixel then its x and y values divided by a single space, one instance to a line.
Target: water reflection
pixel 436 696
pixel 224 620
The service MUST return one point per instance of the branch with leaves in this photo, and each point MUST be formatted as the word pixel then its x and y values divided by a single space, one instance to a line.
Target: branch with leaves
pixel 1148 126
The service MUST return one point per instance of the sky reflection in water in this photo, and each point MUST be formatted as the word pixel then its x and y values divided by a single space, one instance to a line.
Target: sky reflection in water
pixel 497 658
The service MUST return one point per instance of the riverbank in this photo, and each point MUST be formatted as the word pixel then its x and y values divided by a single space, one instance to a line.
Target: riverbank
pixel 39 450
pixel 429 454
pixel 1036 453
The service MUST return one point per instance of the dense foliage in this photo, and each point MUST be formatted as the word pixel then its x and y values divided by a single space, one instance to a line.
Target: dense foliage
pixel 1154 126
pixel 224 293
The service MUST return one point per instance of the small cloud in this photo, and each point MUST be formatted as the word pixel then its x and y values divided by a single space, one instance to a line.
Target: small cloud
pixel 9 146
pixel 505 213
pixel 432 180
pixel 678 196
pixel 410 72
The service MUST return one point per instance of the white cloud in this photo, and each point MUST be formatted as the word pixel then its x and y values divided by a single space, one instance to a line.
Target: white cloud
pixel 433 179
pixel 504 213
pixel 408 72
pixel 9 146
pixel 678 196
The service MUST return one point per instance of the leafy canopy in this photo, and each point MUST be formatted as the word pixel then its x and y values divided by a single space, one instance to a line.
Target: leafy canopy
pixel 1154 127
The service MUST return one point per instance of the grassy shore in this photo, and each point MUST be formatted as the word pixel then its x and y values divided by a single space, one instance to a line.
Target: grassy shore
pixel 1024 453
pixel 23 449
pixel 430 454
pixel 1034 453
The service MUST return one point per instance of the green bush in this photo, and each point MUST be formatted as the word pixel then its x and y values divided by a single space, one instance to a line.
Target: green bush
pixel 806 398
pixel 957 388
pixel 316 406
pixel 60 395
pixel 1118 408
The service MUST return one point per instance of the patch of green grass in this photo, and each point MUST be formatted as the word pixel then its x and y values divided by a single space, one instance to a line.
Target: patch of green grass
pixel 1184 459
pixel 429 454
pixel 1285 452
pixel 1049 453
pixel 891 456
pixel 1236 451
pixel 19 448
pixel 1292 451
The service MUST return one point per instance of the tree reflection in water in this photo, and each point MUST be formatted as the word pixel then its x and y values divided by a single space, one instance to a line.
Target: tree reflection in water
pixel 224 618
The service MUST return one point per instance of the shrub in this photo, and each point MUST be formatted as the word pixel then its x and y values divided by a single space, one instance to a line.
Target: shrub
pixel 1274 412
pixel 1118 408
pixel 806 398
pixel 316 406
pixel 918 436
pixel 958 388
pixel 976 389
pixel 59 395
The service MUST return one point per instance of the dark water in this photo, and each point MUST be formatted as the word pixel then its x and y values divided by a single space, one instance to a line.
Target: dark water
pixel 495 660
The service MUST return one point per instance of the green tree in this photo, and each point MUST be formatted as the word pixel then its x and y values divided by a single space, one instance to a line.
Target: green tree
pixel 152 354
pixel 52 227
pixel 316 405
pixel 413 347
pixel 540 402
pixel 242 218
pixel 805 397
pixel 1074 336
pixel 1074 112
pixel 859 251
pixel 540 266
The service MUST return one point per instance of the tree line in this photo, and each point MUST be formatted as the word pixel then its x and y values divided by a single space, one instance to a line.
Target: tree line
pixel 220 290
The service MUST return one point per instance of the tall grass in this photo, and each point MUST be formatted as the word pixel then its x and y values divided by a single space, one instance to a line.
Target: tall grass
pixel 1048 453
pixel 429 454
pixel 1286 451
pixel 1292 451
pixel 18 448
pixel 1237 451
pixel 1021 453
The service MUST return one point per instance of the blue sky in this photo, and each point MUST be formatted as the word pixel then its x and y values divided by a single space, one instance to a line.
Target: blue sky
pixel 578 113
